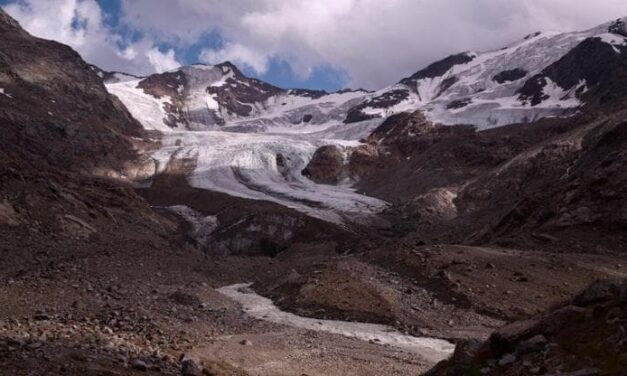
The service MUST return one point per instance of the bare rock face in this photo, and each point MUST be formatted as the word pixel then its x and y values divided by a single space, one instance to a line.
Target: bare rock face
pixel 55 109
pixel 326 166
pixel 553 342
pixel 61 133
pixel 8 215
pixel 363 160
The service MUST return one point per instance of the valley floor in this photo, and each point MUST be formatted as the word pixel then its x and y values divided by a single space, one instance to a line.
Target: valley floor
pixel 126 304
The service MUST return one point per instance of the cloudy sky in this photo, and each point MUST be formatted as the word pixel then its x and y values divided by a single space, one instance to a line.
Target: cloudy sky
pixel 328 44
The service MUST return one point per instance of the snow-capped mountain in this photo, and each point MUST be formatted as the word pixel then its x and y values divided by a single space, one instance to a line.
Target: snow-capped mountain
pixel 250 139
pixel 543 75
pixel 206 97
pixel 516 84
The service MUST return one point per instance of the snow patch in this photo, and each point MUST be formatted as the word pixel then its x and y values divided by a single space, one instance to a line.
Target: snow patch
pixel 221 82
pixel 261 308
pixel 558 97
pixel 148 110
pixel 613 40
pixel 5 93
pixel 212 103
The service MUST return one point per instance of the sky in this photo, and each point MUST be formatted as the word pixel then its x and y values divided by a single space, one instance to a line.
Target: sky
pixel 315 44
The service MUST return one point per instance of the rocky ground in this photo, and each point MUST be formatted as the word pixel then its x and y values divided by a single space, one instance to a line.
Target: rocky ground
pixel 583 337
pixel 132 305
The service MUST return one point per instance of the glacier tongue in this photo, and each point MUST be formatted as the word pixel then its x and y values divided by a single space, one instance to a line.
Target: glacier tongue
pixel 245 164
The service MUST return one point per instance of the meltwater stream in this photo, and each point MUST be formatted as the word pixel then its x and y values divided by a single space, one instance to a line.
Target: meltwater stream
pixel 431 349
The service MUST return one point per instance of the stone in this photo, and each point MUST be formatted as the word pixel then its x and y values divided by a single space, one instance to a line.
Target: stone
pixel 597 291
pixel 139 365
pixel 326 165
pixel 507 359
pixel 584 372
pixel 533 343
pixel 189 367
pixel 466 350
pixel 245 342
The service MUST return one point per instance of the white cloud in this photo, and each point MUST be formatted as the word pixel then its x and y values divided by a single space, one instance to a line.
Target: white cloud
pixel 376 42
pixel 79 23
pixel 238 55
pixel 162 61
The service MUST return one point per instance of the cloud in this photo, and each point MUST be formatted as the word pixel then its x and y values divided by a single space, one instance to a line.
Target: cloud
pixel 79 23
pixel 237 54
pixel 162 61
pixel 375 42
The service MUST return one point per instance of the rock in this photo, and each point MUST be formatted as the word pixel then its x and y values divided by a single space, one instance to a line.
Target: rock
pixel 564 317
pixel 245 342
pixel 503 340
pixel 139 365
pixel 8 215
pixel 532 344
pixel 466 350
pixel 507 359
pixel 190 368
pixel 75 227
pixel 185 299
pixel 585 372
pixel 490 266
pixel 326 165
pixel 597 291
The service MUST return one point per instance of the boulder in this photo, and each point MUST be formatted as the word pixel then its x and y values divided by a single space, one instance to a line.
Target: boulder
pixel 326 165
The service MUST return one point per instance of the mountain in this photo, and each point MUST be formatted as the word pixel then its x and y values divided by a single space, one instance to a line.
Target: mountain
pixel 141 217
pixel 543 75
pixel 269 137
pixel 249 139
pixel 220 97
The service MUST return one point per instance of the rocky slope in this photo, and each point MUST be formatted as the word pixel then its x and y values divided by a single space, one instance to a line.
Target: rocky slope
pixel 582 337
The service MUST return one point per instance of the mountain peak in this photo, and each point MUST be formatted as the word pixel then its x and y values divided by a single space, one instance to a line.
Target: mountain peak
pixel 619 27
pixel 8 23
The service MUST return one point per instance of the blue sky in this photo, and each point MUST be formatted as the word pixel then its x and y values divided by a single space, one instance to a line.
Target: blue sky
pixel 316 44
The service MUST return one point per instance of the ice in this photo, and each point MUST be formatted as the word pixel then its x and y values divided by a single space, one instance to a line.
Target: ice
pixel 244 163
pixel 613 40
pixel 5 93
pixel 261 308
pixel 212 103
pixel 147 109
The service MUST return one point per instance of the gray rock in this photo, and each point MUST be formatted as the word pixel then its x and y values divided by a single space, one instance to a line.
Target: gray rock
pixel 507 359
pixel 139 365
pixel 585 372
pixel 534 343
pixel 466 350
pixel 597 291
pixel 190 368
